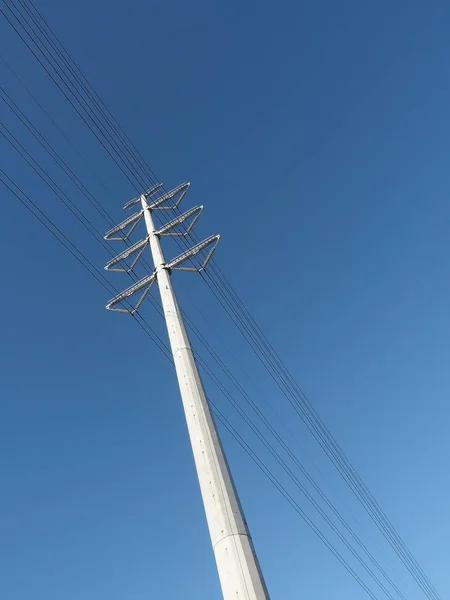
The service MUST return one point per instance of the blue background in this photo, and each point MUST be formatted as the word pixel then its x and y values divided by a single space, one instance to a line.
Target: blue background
pixel 317 135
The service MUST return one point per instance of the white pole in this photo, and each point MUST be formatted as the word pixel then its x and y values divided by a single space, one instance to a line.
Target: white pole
pixel 239 571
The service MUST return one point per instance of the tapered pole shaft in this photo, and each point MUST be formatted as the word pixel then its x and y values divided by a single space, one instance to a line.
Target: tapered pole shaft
pixel 239 571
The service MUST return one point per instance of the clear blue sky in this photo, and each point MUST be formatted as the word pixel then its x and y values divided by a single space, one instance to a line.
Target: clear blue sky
pixel 317 134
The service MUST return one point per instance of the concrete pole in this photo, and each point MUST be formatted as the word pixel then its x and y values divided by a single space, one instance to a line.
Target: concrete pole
pixel 239 571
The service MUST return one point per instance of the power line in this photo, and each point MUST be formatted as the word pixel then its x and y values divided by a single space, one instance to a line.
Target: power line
pixel 315 430
pixel 268 425
pixel 294 478
pixel 245 323
pixel 267 472
pixel 122 135
pixel 304 409
pixel 92 125
pixel 6 98
pixel 58 191
pixel 62 133
pixel 81 258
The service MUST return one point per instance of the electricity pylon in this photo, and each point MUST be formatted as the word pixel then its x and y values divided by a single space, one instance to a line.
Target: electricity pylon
pixel 237 564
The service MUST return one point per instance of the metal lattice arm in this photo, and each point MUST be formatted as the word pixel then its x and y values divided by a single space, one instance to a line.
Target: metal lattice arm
pixel 168 229
pixel 185 256
pixel 137 248
pixel 142 284
pixel 131 221
pixel 147 194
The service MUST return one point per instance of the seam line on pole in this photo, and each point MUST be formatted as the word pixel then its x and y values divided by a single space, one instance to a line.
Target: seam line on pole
pixel 233 535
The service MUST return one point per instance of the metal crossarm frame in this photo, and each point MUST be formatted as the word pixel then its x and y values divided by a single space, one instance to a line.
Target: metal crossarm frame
pixel 137 248
pixel 237 564
pixel 180 259
pixel 132 220
pixel 148 193
pixel 168 229
pixel 145 282
pixel 181 190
